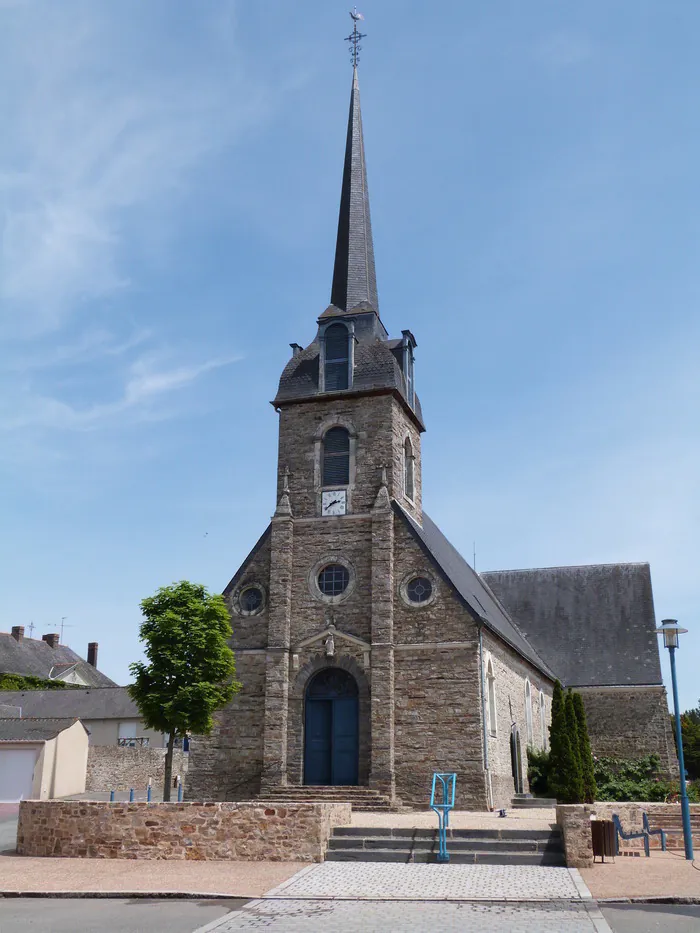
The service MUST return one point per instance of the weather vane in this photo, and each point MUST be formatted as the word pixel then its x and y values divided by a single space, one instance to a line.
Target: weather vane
pixel 355 37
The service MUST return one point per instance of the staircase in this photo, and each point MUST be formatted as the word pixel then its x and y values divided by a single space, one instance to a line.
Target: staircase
pixel 362 798
pixel 466 846
pixel 527 801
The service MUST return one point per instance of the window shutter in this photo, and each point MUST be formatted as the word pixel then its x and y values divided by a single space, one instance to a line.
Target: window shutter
pixel 336 370
pixel 336 457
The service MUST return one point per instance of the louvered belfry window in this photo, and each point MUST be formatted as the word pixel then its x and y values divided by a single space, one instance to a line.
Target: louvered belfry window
pixel 408 470
pixel 336 371
pixel 336 457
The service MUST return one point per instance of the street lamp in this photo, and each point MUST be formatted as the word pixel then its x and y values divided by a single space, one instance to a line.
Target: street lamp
pixel 670 629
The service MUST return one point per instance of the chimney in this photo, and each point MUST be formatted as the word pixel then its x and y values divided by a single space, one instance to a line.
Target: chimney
pixel 18 633
pixel 92 653
pixel 51 640
pixel 296 349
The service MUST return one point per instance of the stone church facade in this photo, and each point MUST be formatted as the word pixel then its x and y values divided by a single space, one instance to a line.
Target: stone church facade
pixel 369 651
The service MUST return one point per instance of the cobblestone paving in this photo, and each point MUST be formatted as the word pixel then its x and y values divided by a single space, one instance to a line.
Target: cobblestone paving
pixel 279 916
pixel 458 882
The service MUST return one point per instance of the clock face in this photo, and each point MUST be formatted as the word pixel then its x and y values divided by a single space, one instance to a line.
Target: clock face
pixel 334 502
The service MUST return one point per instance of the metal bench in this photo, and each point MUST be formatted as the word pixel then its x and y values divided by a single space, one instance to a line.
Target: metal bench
pixel 654 832
pixel 621 834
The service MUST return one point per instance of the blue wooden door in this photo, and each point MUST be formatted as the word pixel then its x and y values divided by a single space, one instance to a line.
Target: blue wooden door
pixel 318 757
pixel 331 739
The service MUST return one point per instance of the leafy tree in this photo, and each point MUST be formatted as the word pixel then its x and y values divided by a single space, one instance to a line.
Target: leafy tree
pixel 191 669
pixel 690 733
pixel 563 774
pixel 587 773
pixel 537 770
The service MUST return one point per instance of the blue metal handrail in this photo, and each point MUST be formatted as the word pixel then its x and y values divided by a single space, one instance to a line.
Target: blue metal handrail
pixel 442 800
pixel 620 833
pixel 653 832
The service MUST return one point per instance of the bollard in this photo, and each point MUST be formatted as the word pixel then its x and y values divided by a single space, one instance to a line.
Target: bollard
pixel 179 792
pixel 131 795
pixel 111 796
pixel 148 792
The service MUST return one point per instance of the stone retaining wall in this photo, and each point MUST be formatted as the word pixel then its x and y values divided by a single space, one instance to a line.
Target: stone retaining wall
pixel 111 767
pixel 197 831
pixel 575 823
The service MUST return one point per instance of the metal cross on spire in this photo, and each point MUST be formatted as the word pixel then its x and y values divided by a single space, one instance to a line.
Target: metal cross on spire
pixel 355 37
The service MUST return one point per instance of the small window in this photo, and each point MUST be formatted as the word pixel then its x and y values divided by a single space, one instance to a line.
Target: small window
pixel 337 360
pixel 409 376
pixel 419 589
pixel 251 599
pixel 491 697
pixel 528 713
pixel 333 580
pixel 336 457
pixel 408 469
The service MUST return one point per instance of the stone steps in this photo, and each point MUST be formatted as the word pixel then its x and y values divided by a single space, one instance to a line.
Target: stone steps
pixel 465 846
pixel 364 799
pixel 527 801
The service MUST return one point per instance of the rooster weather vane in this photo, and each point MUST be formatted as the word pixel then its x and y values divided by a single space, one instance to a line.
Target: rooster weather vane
pixel 355 37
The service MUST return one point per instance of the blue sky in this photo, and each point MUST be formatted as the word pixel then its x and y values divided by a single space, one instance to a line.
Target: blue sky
pixel 169 182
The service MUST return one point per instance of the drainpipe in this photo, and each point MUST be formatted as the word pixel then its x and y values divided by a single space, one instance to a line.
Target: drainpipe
pixel 489 794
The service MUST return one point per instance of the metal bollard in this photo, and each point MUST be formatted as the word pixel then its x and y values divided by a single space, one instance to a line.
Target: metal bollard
pixel 148 792
pixel 179 792
pixel 131 795
pixel 111 796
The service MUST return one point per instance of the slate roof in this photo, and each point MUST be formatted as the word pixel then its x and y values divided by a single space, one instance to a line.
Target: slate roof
pixel 35 658
pixel 593 625
pixel 477 596
pixel 354 276
pixel 86 704
pixel 32 730
pixel 376 368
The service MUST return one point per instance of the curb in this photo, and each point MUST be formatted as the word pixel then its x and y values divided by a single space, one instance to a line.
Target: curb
pixel 176 895
pixel 661 899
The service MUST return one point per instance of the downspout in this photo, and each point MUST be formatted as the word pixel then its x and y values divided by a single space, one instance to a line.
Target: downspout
pixel 489 791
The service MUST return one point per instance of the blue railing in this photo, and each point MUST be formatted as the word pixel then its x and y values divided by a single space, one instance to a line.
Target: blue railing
pixel 442 800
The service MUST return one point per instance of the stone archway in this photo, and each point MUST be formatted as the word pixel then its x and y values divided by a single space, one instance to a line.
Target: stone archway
pixel 296 724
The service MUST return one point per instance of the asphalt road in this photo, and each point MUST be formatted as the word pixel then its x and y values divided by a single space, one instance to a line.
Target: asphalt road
pixel 648 918
pixel 108 915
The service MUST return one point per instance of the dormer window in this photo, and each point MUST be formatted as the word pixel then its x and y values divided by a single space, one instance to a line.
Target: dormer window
pixel 409 343
pixel 337 358
pixel 336 457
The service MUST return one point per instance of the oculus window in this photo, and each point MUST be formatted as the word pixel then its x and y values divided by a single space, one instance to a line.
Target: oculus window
pixel 333 580
pixel 419 589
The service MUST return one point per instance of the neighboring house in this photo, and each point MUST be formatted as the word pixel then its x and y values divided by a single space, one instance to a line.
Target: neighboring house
pixel 42 758
pixel 46 658
pixel 109 714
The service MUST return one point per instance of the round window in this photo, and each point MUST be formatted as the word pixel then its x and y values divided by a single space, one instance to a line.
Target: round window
pixel 419 589
pixel 251 599
pixel 333 580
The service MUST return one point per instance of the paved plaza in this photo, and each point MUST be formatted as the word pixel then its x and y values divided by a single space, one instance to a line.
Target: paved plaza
pixel 434 882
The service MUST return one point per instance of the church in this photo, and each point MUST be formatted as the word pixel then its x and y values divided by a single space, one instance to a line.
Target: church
pixel 370 653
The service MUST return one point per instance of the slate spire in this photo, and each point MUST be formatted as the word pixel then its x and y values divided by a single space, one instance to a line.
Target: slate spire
pixel 354 278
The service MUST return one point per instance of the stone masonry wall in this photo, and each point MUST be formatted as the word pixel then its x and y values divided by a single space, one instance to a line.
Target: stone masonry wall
pixel 437 705
pixel 111 767
pixel 196 831
pixel 630 722
pixel 511 673
pixel 575 823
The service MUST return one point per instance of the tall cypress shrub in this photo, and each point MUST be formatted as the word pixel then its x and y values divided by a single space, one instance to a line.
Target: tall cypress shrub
pixel 562 770
pixel 589 785
pixel 577 787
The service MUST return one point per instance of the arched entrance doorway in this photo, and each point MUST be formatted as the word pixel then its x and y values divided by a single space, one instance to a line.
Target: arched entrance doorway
pixel 331 746
pixel 516 759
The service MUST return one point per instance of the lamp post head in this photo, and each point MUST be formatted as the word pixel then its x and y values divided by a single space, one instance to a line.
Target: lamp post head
pixel 670 629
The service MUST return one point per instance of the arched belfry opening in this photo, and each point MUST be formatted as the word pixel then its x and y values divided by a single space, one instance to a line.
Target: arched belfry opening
pixel 331 729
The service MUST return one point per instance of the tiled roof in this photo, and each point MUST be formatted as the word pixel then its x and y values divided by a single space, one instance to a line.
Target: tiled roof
pixel 35 658
pixel 32 730
pixel 594 625
pixel 99 703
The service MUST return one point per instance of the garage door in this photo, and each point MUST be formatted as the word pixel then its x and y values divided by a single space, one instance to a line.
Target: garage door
pixel 16 773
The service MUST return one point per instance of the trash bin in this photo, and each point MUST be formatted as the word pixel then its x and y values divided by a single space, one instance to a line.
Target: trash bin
pixel 603 834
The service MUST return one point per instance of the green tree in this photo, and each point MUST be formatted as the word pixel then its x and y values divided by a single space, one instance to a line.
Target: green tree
pixel 577 789
pixel 562 766
pixel 587 774
pixel 190 669
pixel 690 733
